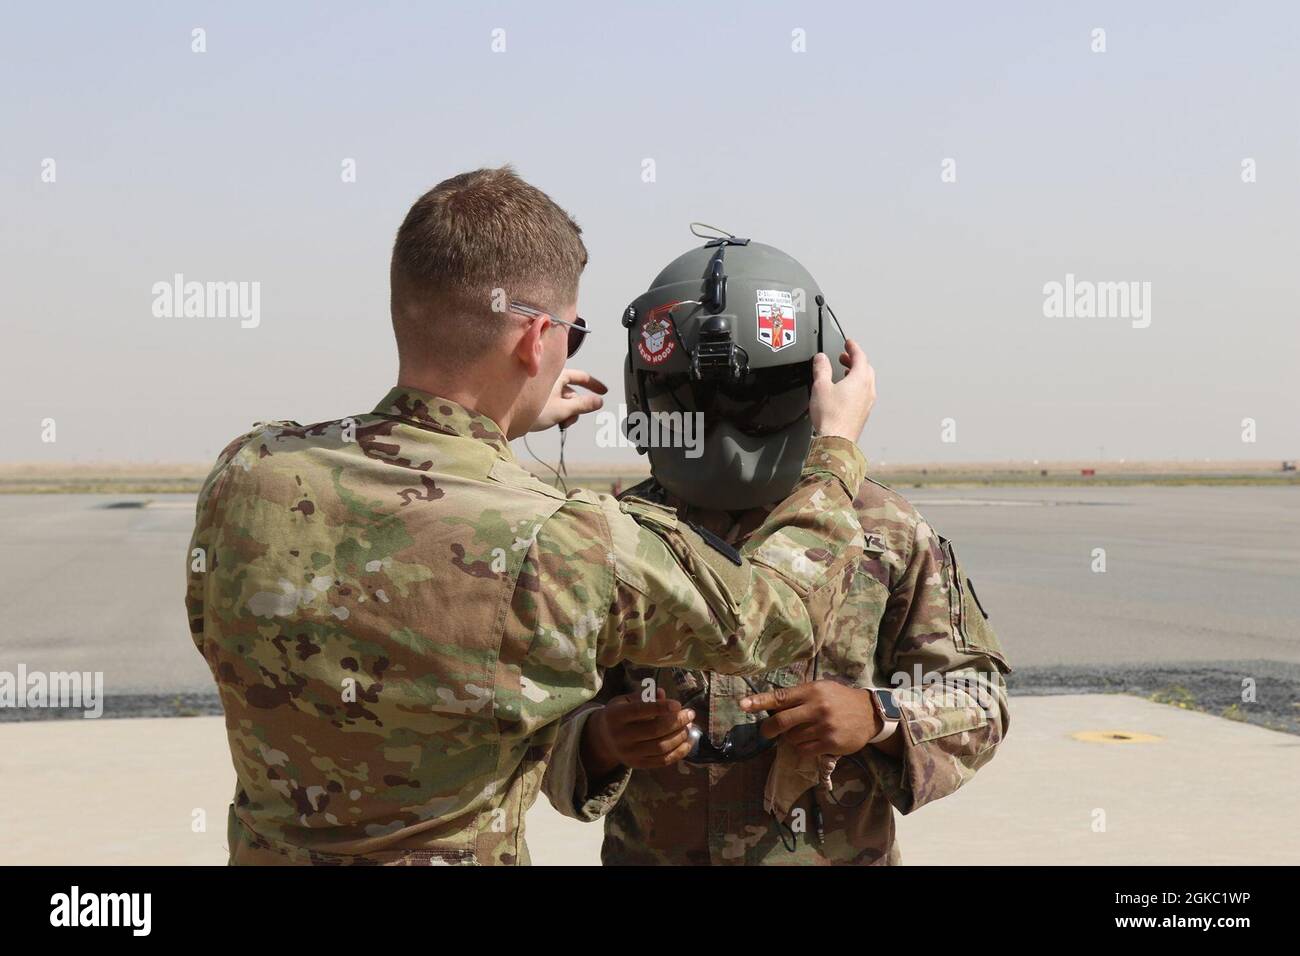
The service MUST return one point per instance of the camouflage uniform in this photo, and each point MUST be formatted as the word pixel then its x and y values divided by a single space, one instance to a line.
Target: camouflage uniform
pixel 397 615
pixel 911 609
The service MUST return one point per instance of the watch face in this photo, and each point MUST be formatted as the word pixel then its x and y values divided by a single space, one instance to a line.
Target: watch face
pixel 888 706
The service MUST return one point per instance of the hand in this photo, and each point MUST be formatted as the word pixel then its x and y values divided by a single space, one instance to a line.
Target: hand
pixel 629 732
pixel 566 403
pixel 842 408
pixel 822 717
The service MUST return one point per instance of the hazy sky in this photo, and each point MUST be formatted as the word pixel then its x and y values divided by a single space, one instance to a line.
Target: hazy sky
pixel 1124 165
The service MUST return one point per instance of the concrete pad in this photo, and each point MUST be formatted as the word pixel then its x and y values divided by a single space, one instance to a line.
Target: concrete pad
pixel 114 792
pixel 129 793
pixel 1210 791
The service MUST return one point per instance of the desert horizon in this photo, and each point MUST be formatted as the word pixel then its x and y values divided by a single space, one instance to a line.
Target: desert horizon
pixel 125 477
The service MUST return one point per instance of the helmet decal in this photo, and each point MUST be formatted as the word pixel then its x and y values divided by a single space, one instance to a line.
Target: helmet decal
pixel 657 340
pixel 776 319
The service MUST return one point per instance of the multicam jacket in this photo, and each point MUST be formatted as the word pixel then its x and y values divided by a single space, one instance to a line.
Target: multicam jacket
pixel 397 615
pixel 912 613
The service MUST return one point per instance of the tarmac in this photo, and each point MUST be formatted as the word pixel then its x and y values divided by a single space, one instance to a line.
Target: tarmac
pixel 1195 575
pixel 1149 783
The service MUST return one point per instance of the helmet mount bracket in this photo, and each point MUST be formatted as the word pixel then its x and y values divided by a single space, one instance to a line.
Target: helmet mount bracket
pixel 715 354
pixel 714 294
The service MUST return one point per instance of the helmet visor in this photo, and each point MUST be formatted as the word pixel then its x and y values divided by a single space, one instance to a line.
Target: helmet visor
pixel 764 401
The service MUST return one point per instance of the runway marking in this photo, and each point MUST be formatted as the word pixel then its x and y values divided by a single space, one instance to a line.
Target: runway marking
pixel 928 502
pixel 1115 737
pixel 998 502
pixel 187 505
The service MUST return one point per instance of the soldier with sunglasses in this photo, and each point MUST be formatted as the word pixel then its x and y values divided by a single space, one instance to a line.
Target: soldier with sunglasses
pixel 397 614
pixel 806 763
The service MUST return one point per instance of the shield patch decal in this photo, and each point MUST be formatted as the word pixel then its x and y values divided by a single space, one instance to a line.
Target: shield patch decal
pixel 776 319
pixel 657 340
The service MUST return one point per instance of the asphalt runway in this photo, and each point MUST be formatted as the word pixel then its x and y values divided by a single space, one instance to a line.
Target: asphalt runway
pixel 1194 576
pixel 1192 573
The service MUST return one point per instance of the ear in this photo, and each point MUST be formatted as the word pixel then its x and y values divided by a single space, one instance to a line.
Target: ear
pixel 530 347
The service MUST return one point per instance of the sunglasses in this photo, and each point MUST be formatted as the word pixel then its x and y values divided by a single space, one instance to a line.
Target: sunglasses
pixel 741 743
pixel 577 330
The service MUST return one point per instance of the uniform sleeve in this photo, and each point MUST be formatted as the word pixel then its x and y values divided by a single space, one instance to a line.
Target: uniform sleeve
pixel 939 651
pixel 201 556
pixel 684 598
pixel 566 784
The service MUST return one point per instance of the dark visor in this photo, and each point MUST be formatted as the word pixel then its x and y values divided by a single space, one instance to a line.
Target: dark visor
pixel 764 401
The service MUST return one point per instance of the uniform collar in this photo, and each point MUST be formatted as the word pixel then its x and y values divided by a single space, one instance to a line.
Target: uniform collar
pixel 426 410
pixel 731 526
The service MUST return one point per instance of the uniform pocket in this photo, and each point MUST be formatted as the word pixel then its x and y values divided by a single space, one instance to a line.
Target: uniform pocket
pixel 928 725
pixel 970 621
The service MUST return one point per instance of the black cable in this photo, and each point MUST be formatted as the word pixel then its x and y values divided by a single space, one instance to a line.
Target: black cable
pixel 563 470
pixel 866 791
pixel 559 473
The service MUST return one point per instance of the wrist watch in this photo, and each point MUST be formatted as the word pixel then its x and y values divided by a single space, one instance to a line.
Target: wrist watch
pixel 888 712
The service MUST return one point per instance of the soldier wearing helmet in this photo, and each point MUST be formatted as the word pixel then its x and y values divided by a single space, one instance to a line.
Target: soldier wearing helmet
pixel 807 763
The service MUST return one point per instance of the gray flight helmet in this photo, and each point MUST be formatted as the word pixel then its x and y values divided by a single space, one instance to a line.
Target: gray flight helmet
pixel 725 337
